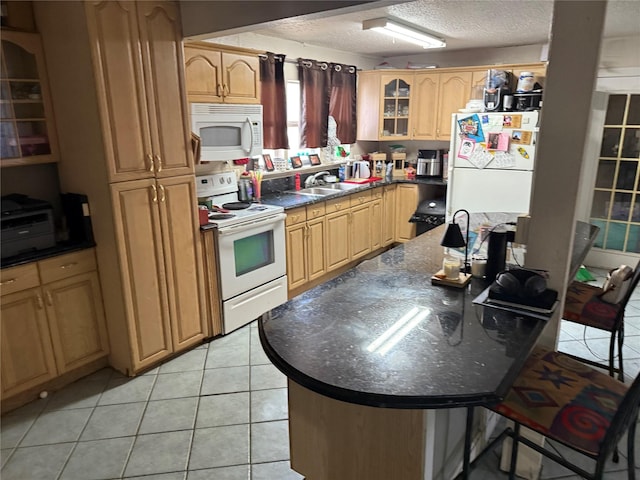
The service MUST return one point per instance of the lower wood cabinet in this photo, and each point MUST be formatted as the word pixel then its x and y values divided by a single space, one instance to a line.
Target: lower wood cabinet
pixel 305 230
pixel 337 242
pixel 388 215
pixel 52 320
pixel 158 235
pixel 407 199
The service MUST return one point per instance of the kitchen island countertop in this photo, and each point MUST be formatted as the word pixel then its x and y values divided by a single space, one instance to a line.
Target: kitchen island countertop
pixel 381 335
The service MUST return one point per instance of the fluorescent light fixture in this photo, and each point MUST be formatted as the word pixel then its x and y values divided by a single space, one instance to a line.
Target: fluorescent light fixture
pixel 404 32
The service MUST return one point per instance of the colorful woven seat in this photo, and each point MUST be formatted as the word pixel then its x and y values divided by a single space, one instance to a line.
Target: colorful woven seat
pixel 574 404
pixel 583 305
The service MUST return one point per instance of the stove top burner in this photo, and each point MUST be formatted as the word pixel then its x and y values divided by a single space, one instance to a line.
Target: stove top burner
pixel 220 216
pixel 236 205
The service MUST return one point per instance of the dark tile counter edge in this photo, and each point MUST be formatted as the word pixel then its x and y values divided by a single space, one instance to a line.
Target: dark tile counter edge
pixel 391 401
pixel 31 257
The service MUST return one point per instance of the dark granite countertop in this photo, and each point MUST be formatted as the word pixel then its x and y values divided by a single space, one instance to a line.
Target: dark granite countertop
pixel 289 199
pixel 33 256
pixel 454 353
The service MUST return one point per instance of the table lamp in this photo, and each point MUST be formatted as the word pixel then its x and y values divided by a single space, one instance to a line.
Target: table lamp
pixel 453 239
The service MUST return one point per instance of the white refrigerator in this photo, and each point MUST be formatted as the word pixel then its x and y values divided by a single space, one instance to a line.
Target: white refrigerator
pixel 491 161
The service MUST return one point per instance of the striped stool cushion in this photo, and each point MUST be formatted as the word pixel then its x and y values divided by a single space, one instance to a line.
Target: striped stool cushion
pixel 583 305
pixel 563 399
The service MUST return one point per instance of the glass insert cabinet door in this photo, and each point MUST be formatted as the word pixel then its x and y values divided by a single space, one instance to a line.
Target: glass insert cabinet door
pixel 26 130
pixel 616 199
pixel 396 95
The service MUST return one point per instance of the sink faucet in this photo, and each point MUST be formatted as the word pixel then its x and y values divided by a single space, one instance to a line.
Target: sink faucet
pixel 313 179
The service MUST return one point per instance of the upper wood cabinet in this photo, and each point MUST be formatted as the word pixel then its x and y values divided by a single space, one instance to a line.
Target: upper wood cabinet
pixel 417 105
pixel 221 76
pixel 384 105
pixel 27 130
pixel 138 69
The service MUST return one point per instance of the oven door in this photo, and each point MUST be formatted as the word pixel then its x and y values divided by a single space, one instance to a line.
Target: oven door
pixel 251 254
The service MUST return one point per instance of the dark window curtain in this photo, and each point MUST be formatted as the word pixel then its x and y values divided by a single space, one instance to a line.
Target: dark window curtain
pixel 274 101
pixel 315 92
pixel 342 106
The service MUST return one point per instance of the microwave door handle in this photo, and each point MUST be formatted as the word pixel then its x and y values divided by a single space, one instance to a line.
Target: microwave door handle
pixel 248 150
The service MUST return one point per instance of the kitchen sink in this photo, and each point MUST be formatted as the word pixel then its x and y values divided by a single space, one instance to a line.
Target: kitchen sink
pixel 324 190
pixel 341 186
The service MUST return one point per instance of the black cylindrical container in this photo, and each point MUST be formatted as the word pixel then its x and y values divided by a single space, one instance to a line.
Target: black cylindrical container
pixel 496 254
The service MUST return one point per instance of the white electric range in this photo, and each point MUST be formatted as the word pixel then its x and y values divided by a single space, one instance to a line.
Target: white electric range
pixel 250 249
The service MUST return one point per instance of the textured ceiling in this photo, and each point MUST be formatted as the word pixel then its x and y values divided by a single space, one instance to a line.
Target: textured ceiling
pixel 464 24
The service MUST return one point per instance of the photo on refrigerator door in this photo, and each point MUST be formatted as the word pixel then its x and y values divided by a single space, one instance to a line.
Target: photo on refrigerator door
pixel 470 128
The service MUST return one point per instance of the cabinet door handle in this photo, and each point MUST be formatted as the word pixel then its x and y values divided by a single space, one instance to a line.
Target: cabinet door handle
pixel 155 194
pixel 7 282
pixel 68 265
pixel 150 160
pixel 162 192
pixel 39 301
pixel 49 299
pixel 306 230
pixel 219 90
pixel 225 90
pixel 159 161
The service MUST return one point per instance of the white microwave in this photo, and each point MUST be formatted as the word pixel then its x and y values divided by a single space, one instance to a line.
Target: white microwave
pixel 227 132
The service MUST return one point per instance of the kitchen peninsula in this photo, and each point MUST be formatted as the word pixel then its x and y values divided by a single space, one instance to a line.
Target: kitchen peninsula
pixel 369 353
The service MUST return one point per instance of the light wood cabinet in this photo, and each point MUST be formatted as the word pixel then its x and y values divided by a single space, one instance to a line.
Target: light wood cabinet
pixel 117 80
pixel 138 65
pixel 437 96
pixel 27 353
pixel 407 198
pixel 417 105
pixel 455 91
pixel 388 215
pixel 214 75
pixel 384 105
pixel 359 224
pixel 161 263
pixel 337 247
pixel 375 218
pixel 53 325
pixel 305 230
pixel 296 231
pixel 27 130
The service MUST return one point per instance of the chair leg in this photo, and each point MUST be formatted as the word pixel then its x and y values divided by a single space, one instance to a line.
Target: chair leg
pixel 631 440
pixel 514 450
pixel 612 344
pixel 620 343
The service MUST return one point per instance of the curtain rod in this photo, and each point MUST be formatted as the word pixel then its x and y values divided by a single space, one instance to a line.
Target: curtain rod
pixel 295 62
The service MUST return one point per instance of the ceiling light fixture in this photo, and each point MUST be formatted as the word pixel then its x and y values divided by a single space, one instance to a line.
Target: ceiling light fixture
pixel 403 32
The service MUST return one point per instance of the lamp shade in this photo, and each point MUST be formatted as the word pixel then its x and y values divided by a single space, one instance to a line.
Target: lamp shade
pixel 453 237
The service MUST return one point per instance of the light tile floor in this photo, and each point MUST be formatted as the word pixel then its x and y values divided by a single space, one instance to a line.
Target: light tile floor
pixel 218 412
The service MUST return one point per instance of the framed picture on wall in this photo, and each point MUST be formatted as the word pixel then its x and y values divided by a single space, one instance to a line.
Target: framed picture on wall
pixel 296 162
pixel 314 158
pixel 268 163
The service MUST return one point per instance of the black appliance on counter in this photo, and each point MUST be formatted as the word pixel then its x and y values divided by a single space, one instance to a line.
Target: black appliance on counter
pixel 499 84
pixel 429 163
pixel 27 225
pixel 429 215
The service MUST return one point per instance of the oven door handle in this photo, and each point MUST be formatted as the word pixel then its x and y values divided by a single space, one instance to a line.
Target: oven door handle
pixel 232 229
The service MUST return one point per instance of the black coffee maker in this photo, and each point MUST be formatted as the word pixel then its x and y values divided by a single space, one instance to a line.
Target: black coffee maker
pixel 497 85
